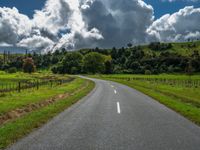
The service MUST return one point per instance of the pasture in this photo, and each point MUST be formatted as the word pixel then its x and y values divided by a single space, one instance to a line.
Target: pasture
pixel 21 112
pixel 20 81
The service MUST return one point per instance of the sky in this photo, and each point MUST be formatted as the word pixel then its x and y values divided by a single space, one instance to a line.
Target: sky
pixel 24 6
pixel 73 24
pixel 160 8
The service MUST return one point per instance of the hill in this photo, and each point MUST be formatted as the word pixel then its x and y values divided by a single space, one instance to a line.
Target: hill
pixel 154 58
pixel 182 48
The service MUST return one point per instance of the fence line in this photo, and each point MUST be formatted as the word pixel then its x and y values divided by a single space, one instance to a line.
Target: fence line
pixel 31 84
pixel 178 82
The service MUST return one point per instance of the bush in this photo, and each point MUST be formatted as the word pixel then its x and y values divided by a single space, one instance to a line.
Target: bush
pixel 54 69
pixel 12 70
pixel 72 63
pixel 29 66
pixel 58 69
pixel 5 67
pixel 94 63
pixel 147 72
pixel 157 46
pixel 74 70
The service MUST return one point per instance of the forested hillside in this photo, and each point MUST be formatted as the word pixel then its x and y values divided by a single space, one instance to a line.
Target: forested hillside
pixel 154 58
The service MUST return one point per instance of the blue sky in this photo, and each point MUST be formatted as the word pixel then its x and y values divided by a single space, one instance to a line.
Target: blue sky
pixel 160 8
pixel 24 6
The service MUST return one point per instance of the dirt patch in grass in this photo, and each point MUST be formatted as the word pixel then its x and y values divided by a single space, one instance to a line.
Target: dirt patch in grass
pixel 19 112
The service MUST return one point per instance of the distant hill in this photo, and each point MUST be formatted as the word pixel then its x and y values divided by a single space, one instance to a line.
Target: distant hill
pixel 182 48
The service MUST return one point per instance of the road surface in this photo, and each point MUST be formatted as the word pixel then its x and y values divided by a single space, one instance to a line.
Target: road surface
pixel 114 117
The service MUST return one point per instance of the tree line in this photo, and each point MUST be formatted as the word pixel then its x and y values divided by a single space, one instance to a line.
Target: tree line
pixel 132 60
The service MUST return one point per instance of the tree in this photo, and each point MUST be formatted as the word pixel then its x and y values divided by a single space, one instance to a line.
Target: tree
pixel 28 65
pixel 12 70
pixel 57 69
pixel 108 67
pixel 72 63
pixel 129 45
pixel 147 72
pixel 114 53
pixel 189 68
pixel 94 63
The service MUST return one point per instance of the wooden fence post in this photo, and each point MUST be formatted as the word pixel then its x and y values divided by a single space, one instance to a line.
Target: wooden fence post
pixel 19 86
pixel 51 83
pixel 37 85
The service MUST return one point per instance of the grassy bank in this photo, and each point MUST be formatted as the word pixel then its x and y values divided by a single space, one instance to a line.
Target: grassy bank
pixel 16 128
pixel 181 97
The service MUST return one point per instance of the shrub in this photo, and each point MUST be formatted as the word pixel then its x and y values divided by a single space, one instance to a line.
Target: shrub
pixel 54 69
pixel 58 69
pixel 94 63
pixel 29 66
pixel 12 70
pixel 147 72
pixel 5 67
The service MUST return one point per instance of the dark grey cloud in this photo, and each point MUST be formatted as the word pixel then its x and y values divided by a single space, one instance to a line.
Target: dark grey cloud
pixel 119 21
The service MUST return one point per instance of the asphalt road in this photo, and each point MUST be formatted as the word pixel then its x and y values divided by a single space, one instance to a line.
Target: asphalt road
pixel 114 117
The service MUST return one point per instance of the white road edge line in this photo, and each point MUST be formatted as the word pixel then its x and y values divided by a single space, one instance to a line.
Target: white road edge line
pixel 112 86
pixel 115 91
pixel 118 108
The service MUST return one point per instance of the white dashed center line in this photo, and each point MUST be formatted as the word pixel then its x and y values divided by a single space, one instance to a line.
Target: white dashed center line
pixel 118 108
pixel 115 91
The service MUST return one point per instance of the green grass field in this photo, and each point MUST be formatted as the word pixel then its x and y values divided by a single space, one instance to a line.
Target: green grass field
pixel 180 48
pixel 178 92
pixel 36 107
pixel 10 82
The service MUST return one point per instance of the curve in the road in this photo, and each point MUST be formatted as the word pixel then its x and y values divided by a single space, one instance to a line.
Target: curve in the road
pixel 114 117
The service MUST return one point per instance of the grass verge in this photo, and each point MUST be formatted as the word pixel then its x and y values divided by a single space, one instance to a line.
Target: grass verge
pixel 15 130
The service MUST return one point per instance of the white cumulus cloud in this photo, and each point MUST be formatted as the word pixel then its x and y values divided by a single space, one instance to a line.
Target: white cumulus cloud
pixel 176 27
pixel 13 25
pixel 35 42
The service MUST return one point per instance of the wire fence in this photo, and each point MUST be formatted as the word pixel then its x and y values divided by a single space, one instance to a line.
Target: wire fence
pixel 173 82
pixel 31 84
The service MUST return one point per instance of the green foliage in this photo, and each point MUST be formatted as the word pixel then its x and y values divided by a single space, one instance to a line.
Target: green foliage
pixel 156 57
pixel 147 72
pixel 72 63
pixel 58 69
pixel 94 63
pixel 129 45
pixel 5 66
pixel 29 66
pixel 108 67
pixel 157 46
pixel 12 70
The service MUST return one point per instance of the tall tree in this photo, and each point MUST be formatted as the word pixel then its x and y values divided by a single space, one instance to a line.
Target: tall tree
pixel 72 63
pixel 28 65
pixel 94 63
